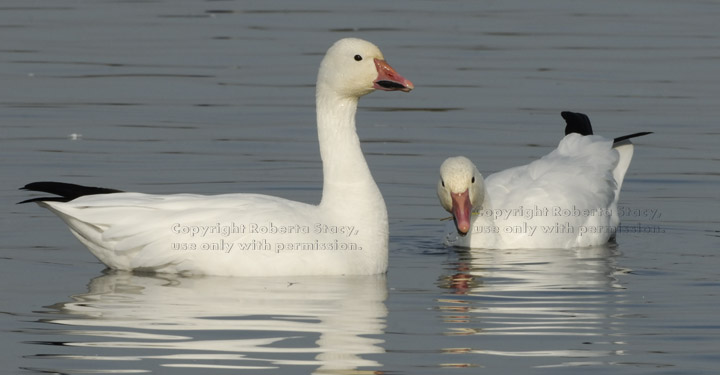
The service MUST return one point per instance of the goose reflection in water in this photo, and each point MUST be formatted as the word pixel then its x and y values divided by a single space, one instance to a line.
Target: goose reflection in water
pixel 550 303
pixel 140 322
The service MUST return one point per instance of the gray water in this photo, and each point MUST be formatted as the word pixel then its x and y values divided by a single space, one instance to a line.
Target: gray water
pixel 217 96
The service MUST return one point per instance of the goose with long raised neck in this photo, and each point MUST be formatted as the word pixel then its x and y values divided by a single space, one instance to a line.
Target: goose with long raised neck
pixel 568 198
pixel 252 234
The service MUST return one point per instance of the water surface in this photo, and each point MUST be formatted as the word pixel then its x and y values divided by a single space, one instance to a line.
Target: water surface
pixel 217 96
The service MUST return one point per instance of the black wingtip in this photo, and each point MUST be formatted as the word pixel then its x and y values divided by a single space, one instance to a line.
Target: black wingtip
pixel 580 123
pixel 44 199
pixel 65 191
pixel 576 122
pixel 626 137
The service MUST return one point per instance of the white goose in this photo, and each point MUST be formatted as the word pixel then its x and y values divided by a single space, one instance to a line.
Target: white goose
pixel 566 199
pixel 250 234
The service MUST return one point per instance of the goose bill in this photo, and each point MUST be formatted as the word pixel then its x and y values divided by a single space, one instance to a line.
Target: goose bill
pixel 390 80
pixel 461 210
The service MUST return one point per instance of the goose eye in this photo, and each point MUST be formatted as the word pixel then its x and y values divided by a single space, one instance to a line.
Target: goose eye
pixel 473 180
pixel 443 183
pixel 358 58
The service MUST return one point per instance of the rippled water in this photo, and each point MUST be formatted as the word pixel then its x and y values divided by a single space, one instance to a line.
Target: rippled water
pixel 217 96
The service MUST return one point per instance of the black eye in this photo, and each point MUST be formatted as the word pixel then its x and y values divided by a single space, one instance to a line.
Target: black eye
pixel 358 58
pixel 473 180
pixel 443 183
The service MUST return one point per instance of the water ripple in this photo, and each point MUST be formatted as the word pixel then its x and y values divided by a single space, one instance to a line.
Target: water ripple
pixel 550 294
pixel 258 323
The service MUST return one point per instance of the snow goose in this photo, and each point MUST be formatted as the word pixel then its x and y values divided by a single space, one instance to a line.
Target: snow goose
pixel 251 234
pixel 568 198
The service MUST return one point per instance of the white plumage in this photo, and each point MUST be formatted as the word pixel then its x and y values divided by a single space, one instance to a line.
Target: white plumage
pixel 568 198
pixel 250 234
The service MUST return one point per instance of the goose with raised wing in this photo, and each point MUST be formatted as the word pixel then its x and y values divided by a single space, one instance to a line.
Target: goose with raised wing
pixel 251 234
pixel 568 198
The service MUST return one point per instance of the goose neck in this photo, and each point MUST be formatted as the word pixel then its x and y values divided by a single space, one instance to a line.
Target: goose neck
pixel 345 171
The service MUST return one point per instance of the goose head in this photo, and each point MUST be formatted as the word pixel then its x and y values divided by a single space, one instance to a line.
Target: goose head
pixel 354 67
pixel 460 190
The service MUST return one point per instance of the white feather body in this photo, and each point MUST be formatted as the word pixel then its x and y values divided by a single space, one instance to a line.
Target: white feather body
pixel 231 234
pixel 259 235
pixel 568 198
